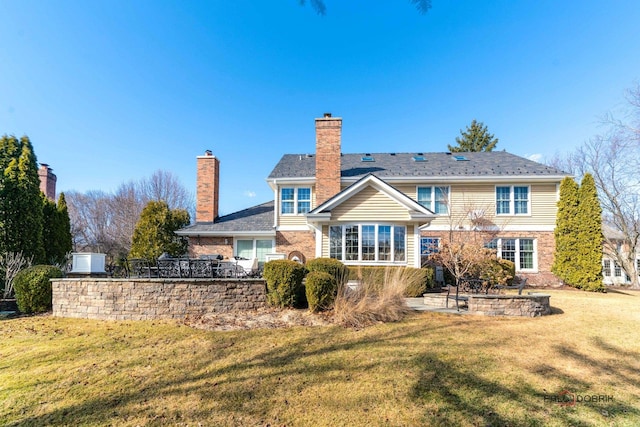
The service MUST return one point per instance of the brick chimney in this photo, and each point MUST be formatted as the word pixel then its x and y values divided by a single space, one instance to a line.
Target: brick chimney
pixel 328 135
pixel 47 181
pixel 208 187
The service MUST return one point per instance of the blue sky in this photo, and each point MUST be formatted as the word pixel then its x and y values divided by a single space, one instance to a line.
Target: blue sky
pixel 110 91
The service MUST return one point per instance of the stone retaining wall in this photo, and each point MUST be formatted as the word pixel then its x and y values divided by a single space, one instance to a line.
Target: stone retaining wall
pixel 531 305
pixel 510 305
pixel 147 299
pixel 435 300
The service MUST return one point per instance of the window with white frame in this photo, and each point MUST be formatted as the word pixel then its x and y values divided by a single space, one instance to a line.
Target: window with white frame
pixel 522 252
pixel 617 270
pixel 295 200
pixel 606 268
pixel 368 242
pixel 434 198
pixel 512 200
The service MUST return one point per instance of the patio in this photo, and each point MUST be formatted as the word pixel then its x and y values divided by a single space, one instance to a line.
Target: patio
pixel 204 267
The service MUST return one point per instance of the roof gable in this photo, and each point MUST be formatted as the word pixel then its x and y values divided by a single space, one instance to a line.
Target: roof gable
pixel 415 210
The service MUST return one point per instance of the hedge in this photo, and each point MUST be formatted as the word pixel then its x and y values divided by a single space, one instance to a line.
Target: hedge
pixel 33 288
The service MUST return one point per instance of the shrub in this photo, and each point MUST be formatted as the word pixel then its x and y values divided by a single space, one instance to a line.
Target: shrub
pixel 335 268
pixel 376 301
pixel 33 288
pixel 284 283
pixel 498 271
pixel 320 289
pixel 421 278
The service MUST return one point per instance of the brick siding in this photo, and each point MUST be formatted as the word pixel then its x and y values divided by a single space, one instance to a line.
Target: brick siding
pixel 207 188
pixel 328 135
pixel 302 241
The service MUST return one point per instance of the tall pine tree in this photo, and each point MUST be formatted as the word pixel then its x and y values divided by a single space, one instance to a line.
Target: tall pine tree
pixel 564 263
pixel 56 231
pixel 475 138
pixel 590 237
pixel 578 235
pixel 20 200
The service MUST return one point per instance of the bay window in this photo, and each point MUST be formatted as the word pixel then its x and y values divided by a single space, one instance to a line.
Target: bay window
pixel 368 243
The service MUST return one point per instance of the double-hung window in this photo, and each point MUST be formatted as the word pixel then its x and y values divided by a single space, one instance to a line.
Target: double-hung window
pixel 606 268
pixel 512 200
pixel 436 199
pixel 367 243
pixel 522 252
pixel 295 200
pixel 617 270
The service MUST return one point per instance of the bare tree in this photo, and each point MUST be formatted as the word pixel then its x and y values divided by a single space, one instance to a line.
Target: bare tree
pixel 614 160
pixel 465 252
pixel 104 222
pixel 165 186
pixel 125 205
pixel 11 264
pixel 90 218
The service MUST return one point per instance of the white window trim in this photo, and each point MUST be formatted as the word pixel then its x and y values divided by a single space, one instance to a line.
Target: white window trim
pixel 375 261
pixel 432 208
pixel 512 202
pixel 295 200
pixel 607 270
pixel 517 253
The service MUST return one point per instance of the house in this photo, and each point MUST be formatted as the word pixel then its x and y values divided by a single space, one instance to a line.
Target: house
pixel 619 264
pixel 384 208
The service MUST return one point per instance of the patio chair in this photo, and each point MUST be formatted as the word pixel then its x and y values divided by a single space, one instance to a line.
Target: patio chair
pixel 249 267
pixel 457 297
pixel 519 286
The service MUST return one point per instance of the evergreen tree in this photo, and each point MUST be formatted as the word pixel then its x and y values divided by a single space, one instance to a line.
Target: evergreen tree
pixel 20 202
pixel 9 151
pixel 475 138
pixel 155 231
pixel 589 236
pixel 564 262
pixel 56 230
pixel 48 227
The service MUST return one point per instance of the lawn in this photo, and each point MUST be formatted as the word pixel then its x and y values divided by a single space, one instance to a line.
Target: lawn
pixel 431 369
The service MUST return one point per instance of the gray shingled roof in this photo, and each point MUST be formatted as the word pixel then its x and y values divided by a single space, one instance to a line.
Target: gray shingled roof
pixel 387 165
pixel 255 219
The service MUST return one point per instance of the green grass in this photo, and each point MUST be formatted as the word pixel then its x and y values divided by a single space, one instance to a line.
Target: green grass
pixel 431 369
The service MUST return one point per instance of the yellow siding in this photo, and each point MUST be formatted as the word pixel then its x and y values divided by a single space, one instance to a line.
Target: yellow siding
pixel 293 220
pixel 325 241
pixel 370 205
pixel 289 220
pixel 410 245
pixel 469 197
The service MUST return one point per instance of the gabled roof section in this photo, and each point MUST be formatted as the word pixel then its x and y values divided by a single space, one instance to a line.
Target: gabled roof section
pixel 387 166
pixel 257 220
pixel 415 209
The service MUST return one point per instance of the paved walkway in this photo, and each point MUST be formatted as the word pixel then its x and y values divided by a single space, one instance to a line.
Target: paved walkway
pixel 417 304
